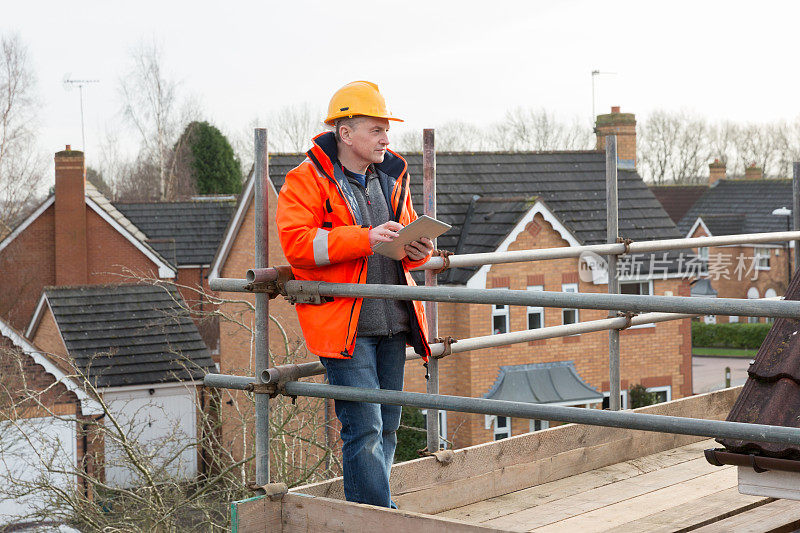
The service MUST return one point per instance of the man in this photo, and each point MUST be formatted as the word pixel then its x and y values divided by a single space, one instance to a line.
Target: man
pixel 350 194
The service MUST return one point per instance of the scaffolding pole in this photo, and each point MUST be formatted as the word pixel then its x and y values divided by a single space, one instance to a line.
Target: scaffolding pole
pixel 595 417
pixel 431 308
pixel 543 254
pixel 612 234
pixel 262 305
pixel 618 302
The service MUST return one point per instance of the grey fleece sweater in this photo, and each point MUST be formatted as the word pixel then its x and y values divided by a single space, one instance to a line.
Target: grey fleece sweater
pixel 378 317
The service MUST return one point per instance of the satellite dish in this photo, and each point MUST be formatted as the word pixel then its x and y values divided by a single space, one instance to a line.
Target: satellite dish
pixel 65 81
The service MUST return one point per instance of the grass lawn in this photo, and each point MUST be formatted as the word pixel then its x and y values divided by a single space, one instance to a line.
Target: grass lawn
pixel 725 352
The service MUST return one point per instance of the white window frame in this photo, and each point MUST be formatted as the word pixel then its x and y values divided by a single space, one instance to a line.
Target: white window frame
pixel 770 293
pixel 535 310
pixel 761 253
pixel 665 388
pixel 649 293
pixel 710 319
pixel 733 319
pixel 623 398
pixel 702 254
pixel 570 287
pixel 502 311
pixel 752 294
pixel 442 425
pixel 543 424
pixel 498 431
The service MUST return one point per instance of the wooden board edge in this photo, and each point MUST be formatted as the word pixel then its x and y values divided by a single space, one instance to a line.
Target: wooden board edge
pixel 256 514
pixel 305 512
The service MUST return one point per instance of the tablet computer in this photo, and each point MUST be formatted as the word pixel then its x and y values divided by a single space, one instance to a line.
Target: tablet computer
pixel 424 226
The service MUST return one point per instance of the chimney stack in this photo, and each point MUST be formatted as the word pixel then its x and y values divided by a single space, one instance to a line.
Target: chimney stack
pixel 716 172
pixel 753 172
pixel 70 221
pixel 623 125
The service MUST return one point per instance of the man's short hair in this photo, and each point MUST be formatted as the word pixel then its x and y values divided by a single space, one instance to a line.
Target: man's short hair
pixel 350 122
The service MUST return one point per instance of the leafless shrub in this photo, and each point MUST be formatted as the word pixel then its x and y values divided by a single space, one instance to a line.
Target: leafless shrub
pixel 22 166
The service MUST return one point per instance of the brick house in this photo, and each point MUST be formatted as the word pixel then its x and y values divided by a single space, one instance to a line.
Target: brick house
pixel 734 206
pixel 78 250
pixel 512 201
pixel 78 237
pixel 138 347
pixel 53 424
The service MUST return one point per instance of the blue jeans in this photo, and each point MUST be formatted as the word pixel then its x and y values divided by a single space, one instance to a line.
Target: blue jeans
pixel 369 430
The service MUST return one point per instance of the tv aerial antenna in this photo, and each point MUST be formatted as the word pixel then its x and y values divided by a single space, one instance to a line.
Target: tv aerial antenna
pixel 69 83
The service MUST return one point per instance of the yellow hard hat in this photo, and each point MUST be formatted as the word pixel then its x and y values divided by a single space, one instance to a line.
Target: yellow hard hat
pixel 358 98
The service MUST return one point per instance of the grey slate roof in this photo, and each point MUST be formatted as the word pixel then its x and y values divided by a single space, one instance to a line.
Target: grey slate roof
pixel 185 233
pixel 556 382
pixel 572 184
pixel 129 334
pixel 677 199
pixel 741 206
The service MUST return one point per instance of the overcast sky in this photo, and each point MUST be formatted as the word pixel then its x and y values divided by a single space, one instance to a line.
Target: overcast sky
pixel 434 60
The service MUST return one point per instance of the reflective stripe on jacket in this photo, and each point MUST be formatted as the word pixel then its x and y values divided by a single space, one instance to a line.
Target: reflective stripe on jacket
pixel 323 237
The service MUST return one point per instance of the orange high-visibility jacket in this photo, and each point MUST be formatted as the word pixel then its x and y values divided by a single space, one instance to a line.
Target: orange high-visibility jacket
pixel 322 235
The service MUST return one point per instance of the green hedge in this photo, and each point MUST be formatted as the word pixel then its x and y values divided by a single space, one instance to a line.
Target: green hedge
pixel 729 335
pixel 411 437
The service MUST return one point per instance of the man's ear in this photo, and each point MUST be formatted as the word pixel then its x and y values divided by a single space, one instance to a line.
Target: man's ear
pixel 344 134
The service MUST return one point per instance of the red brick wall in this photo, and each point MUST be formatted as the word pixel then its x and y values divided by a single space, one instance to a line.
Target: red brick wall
pixel 27 265
pixel 732 272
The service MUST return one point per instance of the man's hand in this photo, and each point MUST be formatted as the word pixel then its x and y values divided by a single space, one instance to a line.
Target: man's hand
pixel 386 232
pixel 419 249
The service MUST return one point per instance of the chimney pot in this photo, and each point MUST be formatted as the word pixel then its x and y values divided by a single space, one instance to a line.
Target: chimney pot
pixel 753 172
pixel 615 109
pixel 716 172
pixel 69 147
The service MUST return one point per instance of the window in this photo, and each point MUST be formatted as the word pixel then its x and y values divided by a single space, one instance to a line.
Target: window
pixel 569 316
pixel 710 319
pixel 636 287
pixel 770 293
pixel 502 427
pixel 623 399
pixel 663 394
pixel 535 314
pixel 702 254
pixel 761 258
pixel 733 319
pixel 538 425
pixel 752 293
pixel 442 426
pixel 500 318
pixel 644 288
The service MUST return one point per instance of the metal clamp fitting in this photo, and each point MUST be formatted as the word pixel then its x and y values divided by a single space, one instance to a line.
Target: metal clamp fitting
pixel 307 293
pixel 273 389
pixel 627 316
pixel 445 255
pixel 447 341
pixel 627 243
